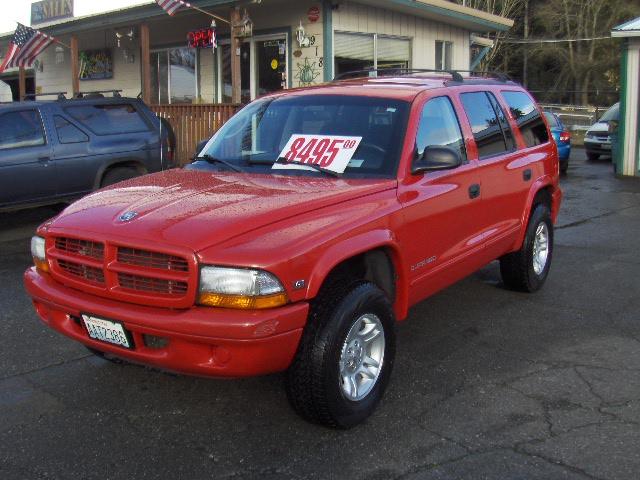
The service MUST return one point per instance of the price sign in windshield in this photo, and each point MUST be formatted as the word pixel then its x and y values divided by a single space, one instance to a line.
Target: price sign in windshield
pixel 327 151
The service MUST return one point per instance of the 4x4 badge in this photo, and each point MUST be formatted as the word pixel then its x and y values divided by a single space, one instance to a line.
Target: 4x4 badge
pixel 128 216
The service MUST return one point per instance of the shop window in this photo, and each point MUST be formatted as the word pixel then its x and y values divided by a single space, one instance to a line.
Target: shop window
pixel 443 55
pixel 174 75
pixel 357 51
pixel 21 129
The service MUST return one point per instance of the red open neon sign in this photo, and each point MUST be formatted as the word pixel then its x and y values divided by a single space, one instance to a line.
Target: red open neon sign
pixel 203 38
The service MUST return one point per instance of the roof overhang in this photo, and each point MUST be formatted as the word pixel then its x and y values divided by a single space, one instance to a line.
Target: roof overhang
pixel 436 10
pixel 628 29
pixel 447 12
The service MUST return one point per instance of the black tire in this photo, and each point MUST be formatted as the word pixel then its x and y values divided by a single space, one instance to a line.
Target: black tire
pixel 118 174
pixel 564 166
pixel 313 381
pixel 592 157
pixel 517 268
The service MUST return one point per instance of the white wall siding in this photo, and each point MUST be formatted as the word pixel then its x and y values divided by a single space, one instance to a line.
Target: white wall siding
pixel 354 17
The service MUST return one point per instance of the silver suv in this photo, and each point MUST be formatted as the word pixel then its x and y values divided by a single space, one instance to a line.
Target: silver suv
pixel 597 140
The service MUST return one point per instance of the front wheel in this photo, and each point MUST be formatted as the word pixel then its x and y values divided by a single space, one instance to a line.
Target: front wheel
pixel 527 269
pixel 592 157
pixel 345 357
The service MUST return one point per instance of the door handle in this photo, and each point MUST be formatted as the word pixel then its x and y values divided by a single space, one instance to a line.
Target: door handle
pixel 44 159
pixel 526 175
pixel 474 191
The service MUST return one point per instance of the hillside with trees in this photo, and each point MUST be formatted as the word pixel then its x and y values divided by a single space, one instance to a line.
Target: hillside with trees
pixel 560 49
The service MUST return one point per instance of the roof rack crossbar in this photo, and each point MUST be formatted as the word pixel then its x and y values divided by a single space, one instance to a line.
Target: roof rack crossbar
pixel 455 74
pixel 115 93
pixel 60 95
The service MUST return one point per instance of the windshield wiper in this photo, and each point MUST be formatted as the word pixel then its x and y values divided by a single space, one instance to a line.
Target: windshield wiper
pixel 317 168
pixel 211 159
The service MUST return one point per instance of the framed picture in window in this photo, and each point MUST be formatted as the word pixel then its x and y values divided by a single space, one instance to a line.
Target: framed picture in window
pixel 96 64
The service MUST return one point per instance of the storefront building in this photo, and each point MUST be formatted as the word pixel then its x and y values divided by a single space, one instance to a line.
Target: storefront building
pixel 293 43
pixel 627 153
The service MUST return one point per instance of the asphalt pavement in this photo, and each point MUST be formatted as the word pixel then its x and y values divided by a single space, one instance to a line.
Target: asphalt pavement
pixel 488 383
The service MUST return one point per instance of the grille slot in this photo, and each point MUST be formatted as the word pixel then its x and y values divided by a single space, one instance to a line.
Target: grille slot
pixel 140 283
pixel 148 259
pixel 85 248
pixel 90 274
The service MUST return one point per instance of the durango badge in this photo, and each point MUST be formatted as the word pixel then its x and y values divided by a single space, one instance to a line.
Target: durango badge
pixel 127 216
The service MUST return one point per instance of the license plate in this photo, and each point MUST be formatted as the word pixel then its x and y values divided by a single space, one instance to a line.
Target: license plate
pixel 107 331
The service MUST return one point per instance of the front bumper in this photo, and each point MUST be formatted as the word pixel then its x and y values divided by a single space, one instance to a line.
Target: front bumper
pixel 201 341
pixel 602 147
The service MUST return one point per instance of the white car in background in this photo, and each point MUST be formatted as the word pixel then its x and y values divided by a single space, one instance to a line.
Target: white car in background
pixel 597 140
pixel 5 92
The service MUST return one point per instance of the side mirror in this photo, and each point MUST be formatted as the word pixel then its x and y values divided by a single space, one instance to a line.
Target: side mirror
pixel 437 157
pixel 200 147
pixel 613 126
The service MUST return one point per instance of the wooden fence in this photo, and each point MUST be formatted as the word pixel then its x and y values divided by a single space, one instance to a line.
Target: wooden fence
pixel 193 123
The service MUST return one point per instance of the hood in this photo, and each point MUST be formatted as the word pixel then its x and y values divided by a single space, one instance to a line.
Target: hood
pixel 599 127
pixel 198 209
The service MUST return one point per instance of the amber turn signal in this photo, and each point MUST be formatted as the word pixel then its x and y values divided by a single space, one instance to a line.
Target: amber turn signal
pixel 242 301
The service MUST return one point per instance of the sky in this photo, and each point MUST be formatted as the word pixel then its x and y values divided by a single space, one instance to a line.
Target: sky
pixel 20 10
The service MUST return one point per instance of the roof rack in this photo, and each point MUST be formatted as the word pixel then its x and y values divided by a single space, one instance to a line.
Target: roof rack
pixel 98 94
pixel 389 72
pixel 60 95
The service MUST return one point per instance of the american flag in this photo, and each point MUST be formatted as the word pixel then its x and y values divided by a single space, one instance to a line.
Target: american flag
pixel 24 47
pixel 172 6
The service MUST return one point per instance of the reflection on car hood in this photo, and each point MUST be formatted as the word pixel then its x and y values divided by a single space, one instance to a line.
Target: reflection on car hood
pixel 197 209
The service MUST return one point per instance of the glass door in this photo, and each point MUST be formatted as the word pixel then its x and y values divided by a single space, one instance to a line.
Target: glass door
pixel 271 68
pixel 263 67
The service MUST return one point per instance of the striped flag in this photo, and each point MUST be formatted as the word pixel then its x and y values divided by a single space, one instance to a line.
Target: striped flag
pixel 24 47
pixel 172 6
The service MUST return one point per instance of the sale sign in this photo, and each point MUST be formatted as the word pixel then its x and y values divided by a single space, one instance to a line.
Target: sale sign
pixel 332 152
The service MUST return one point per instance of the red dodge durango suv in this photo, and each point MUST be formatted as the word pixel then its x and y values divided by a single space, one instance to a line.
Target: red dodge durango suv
pixel 303 232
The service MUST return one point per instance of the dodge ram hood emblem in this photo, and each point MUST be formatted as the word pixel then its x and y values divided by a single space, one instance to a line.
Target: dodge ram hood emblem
pixel 127 216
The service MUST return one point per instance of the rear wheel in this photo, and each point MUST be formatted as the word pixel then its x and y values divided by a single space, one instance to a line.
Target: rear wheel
pixel 345 357
pixel 118 174
pixel 527 269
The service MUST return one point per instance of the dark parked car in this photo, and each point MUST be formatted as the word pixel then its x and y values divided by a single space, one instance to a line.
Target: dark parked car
pixel 562 137
pixel 54 151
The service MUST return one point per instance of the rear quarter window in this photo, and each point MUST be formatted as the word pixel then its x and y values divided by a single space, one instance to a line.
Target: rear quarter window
pixel 524 111
pixel 109 119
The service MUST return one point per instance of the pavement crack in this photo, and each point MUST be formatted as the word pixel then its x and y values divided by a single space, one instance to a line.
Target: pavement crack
pixel 40 369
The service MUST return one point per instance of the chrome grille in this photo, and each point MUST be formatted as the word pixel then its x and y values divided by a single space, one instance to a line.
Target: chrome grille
pixel 148 259
pixel 76 246
pixel 152 285
pixel 91 274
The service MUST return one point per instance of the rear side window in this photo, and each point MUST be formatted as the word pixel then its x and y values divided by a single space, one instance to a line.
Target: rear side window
pixel 109 119
pixel 21 129
pixel 485 125
pixel 530 123
pixel 69 133
pixel 439 127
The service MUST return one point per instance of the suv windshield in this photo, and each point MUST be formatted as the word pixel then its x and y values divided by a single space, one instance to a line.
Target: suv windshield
pixel 611 114
pixel 255 138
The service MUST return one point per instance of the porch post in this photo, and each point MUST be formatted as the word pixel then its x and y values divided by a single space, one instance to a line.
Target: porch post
pixel 75 66
pixel 236 80
pixel 22 83
pixel 145 59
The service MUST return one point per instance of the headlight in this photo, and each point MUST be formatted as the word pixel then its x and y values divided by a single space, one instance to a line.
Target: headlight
pixel 240 288
pixel 39 253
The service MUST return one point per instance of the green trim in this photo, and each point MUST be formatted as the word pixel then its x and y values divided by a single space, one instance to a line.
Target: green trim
pixel 476 61
pixel 451 14
pixel 622 125
pixel 327 34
